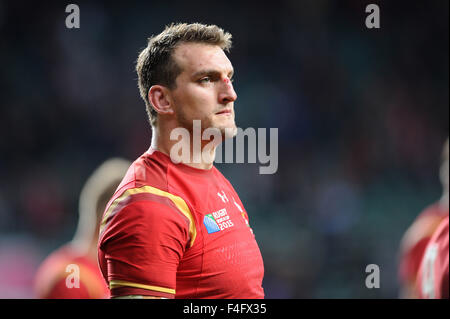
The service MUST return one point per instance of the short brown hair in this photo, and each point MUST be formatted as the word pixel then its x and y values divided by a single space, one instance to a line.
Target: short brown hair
pixel 155 64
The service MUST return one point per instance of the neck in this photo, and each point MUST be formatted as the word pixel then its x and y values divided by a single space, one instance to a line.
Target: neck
pixel 192 150
pixel 86 247
pixel 444 200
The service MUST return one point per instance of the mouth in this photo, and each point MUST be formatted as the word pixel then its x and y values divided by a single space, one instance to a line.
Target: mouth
pixel 224 112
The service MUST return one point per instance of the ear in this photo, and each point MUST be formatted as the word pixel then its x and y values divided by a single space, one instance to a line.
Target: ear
pixel 159 96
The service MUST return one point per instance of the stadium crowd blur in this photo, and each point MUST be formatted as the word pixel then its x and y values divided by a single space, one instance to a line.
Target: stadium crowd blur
pixel 362 116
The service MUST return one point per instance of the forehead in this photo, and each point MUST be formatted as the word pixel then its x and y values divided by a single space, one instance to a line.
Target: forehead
pixel 194 57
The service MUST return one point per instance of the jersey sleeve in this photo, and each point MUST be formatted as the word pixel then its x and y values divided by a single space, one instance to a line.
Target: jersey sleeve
pixel 141 246
pixel 433 273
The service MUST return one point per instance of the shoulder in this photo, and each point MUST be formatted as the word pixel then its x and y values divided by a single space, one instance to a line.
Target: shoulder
pixel 145 180
pixel 50 279
pixel 434 270
pixel 441 235
pixel 423 226
pixel 55 262
pixel 148 169
pixel 144 198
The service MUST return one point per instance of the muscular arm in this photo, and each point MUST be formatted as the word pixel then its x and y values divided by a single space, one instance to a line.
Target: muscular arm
pixel 141 248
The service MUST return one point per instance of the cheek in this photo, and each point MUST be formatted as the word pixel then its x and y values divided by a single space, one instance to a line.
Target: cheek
pixel 195 101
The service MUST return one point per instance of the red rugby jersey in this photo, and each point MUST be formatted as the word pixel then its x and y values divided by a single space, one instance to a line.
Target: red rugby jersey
pixel 50 279
pixel 172 230
pixel 432 278
pixel 415 241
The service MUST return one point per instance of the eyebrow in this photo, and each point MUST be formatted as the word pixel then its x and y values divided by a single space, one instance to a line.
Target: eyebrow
pixel 210 72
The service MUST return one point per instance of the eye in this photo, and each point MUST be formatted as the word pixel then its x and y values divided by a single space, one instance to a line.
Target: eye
pixel 205 79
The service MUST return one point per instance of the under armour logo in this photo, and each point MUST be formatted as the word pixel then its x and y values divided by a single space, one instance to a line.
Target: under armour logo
pixel 222 196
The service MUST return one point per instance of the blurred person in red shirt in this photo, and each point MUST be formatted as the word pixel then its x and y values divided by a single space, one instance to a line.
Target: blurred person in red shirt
pixel 418 235
pixel 72 271
pixel 432 278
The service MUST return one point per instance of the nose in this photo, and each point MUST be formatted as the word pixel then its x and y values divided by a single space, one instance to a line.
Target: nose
pixel 227 93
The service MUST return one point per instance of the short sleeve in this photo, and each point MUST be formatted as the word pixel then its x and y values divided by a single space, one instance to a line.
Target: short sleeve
pixel 141 246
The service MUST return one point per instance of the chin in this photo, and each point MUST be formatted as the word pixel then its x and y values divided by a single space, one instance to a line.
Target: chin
pixel 226 127
pixel 229 131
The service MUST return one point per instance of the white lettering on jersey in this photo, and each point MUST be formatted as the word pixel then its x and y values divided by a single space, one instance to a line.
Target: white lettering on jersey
pixel 223 196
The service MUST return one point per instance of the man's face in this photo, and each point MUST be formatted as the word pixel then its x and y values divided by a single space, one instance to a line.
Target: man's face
pixel 203 89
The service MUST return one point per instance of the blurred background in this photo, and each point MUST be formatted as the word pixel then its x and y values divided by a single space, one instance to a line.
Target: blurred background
pixel 362 116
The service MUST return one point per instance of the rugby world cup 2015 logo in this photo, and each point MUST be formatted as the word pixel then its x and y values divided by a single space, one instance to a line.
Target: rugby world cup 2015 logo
pixel 210 224
pixel 217 221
